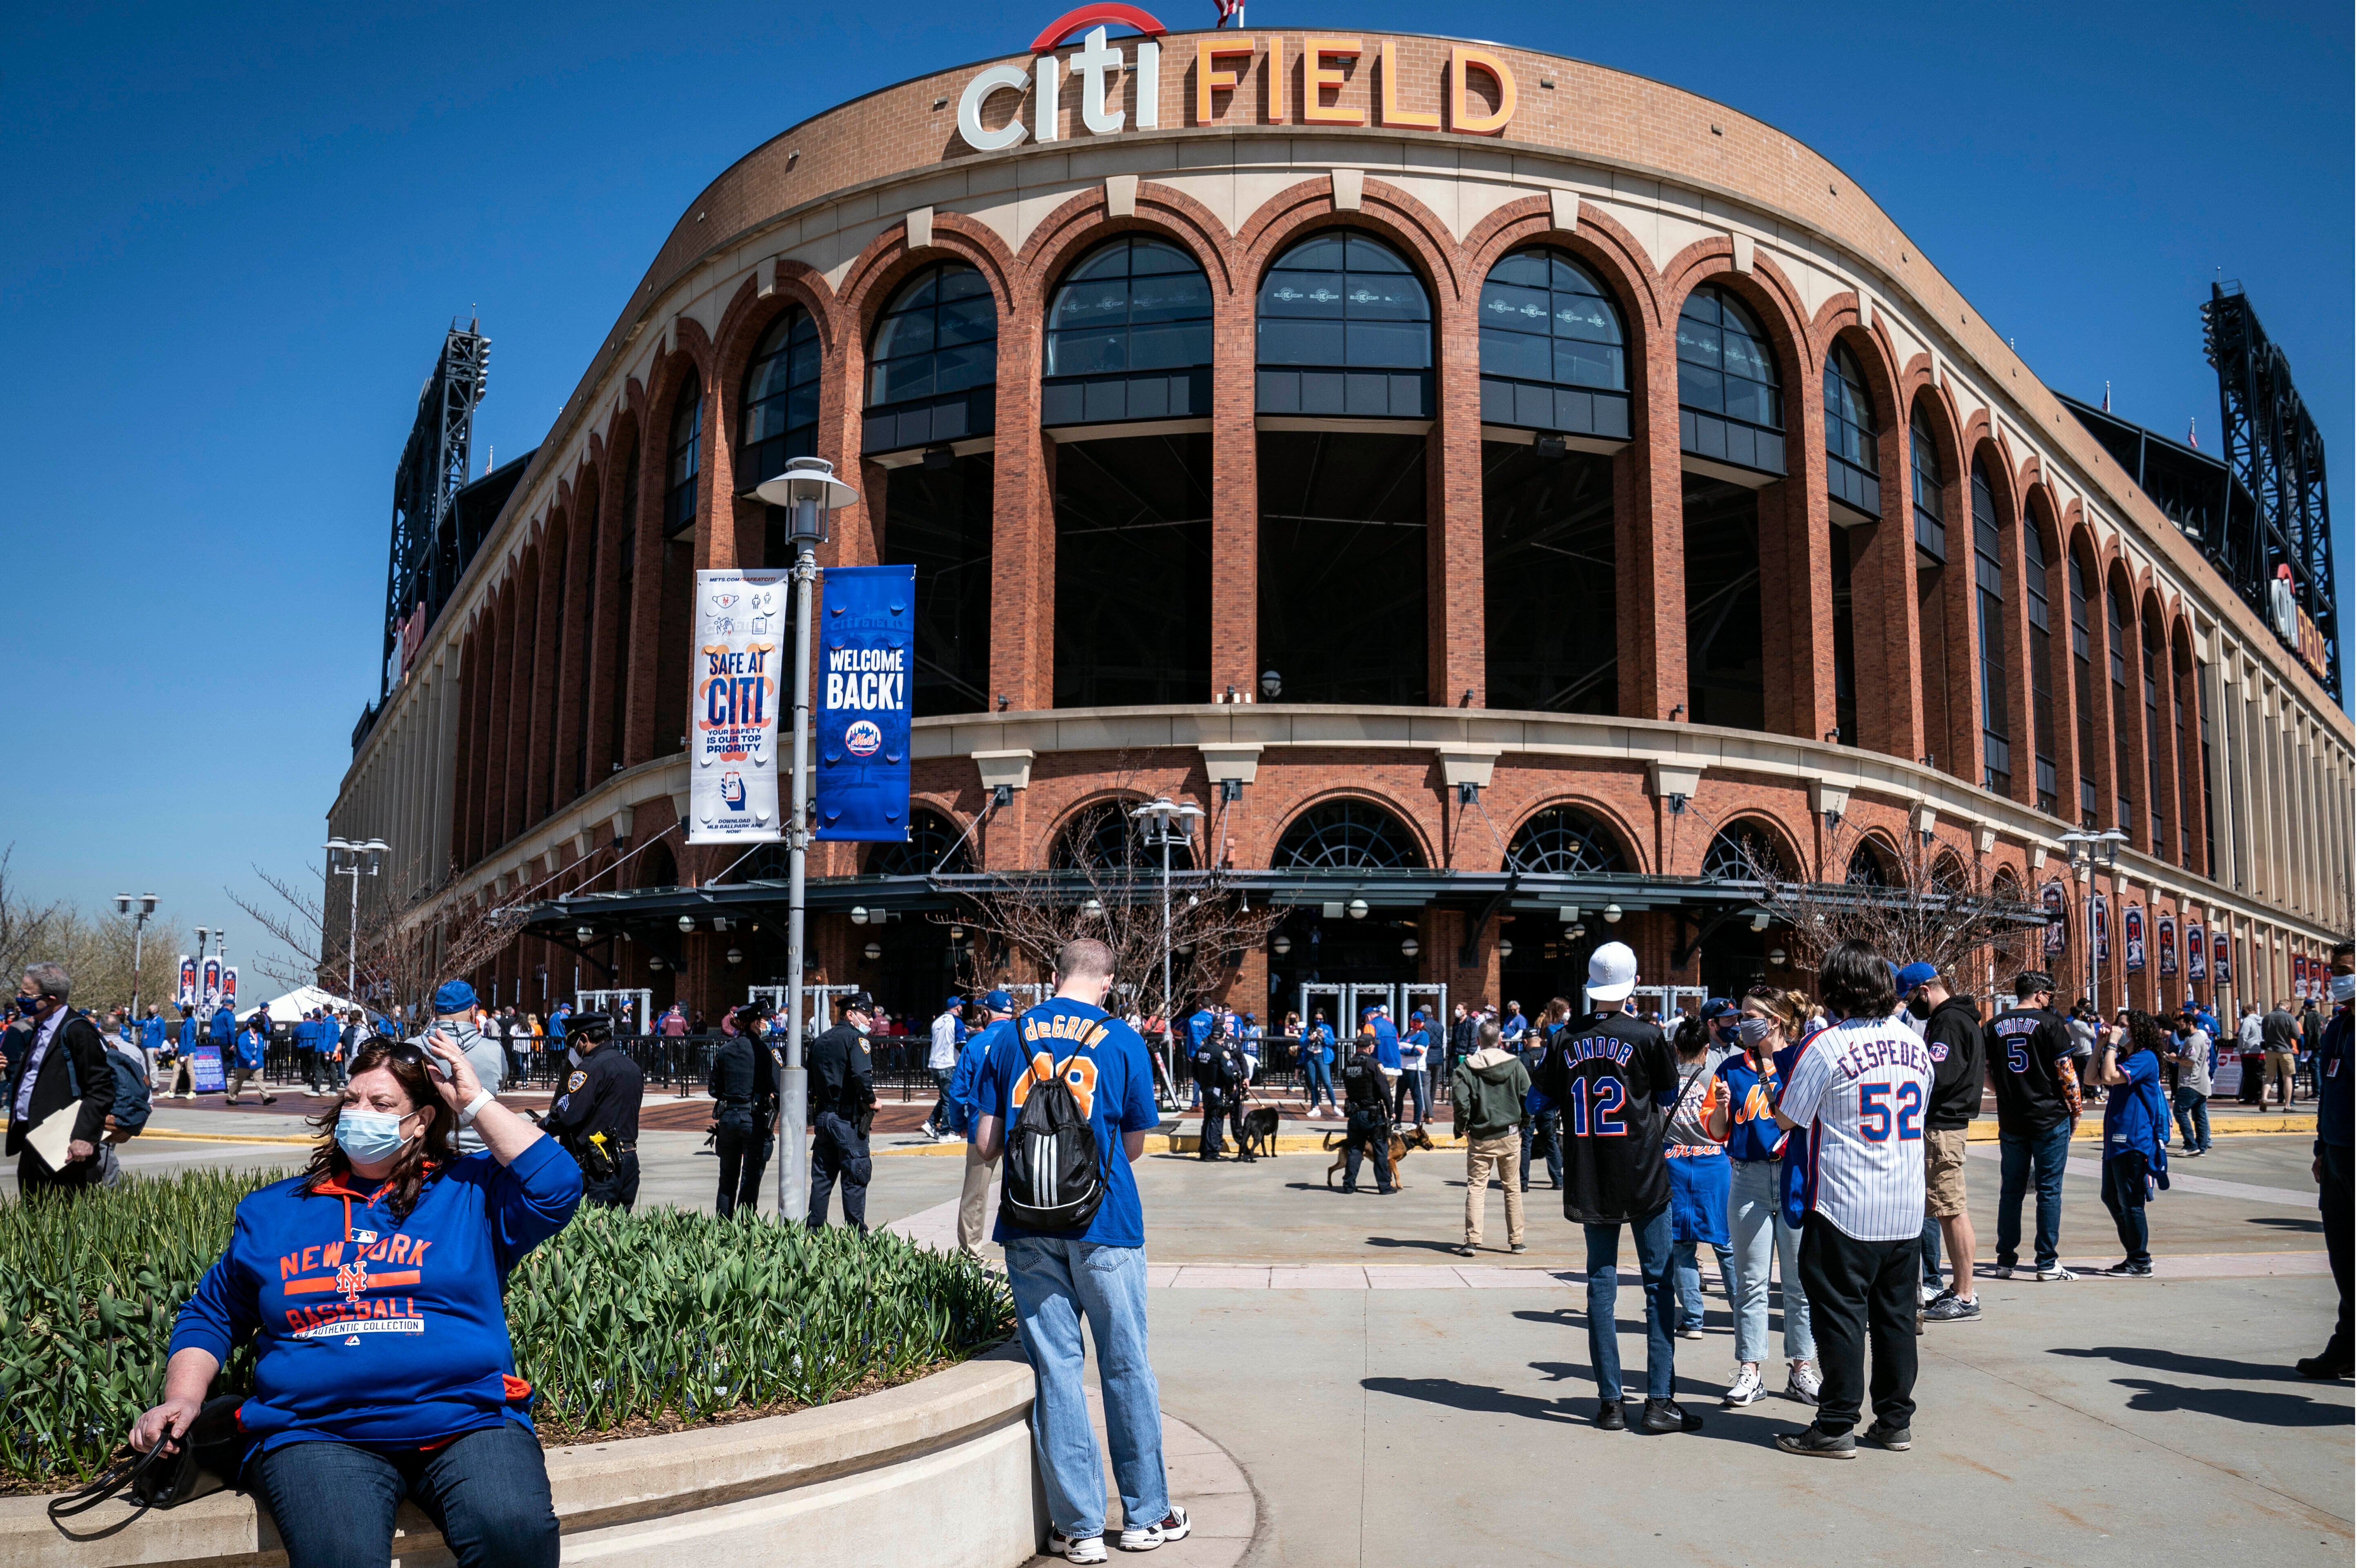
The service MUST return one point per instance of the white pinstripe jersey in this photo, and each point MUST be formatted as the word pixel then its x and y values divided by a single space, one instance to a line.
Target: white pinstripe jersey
pixel 1864 1083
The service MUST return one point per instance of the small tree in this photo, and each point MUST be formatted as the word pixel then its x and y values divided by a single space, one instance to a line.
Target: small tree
pixel 399 951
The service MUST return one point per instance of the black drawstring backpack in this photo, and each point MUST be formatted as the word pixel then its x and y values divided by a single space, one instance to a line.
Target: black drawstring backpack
pixel 1052 1181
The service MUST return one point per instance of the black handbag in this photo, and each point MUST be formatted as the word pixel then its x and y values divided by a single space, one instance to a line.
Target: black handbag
pixel 210 1458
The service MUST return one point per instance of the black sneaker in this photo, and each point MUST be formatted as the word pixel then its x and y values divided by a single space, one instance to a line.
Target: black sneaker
pixel 2127 1270
pixel 1664 1415
pixel 1896 1439
pixel 1812 1443
pixel 1952 1308
pixel 2316 1367
pixel 1610 1417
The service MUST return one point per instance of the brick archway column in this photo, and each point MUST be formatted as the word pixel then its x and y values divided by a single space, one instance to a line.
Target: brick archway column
pixel 1796 592
pixel 1648 514
pixel 1456 653
pixel 1885 626
pixel 1022 526
pixel 1235 497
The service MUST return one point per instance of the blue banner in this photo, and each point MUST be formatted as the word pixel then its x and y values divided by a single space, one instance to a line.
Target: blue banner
pixel 866 656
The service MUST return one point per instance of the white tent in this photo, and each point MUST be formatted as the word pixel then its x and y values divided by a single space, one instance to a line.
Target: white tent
pixel 290 1007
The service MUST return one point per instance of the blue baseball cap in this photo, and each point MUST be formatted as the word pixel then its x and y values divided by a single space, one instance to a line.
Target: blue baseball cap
pixel 455 996
pixel 1716 1007
pixel 954 1002
pixel 1915 975
pixel 999 1002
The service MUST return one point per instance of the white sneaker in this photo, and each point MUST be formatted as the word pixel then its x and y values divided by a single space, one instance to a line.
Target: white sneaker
pixel 1807 1384
pixel 2056 1274
pixel 1086 1548
pixel 1747 1387
pixel 1146 1537
pixel 1925 1295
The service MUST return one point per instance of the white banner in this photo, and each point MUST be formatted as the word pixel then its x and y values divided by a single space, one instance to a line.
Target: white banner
pixel 740 664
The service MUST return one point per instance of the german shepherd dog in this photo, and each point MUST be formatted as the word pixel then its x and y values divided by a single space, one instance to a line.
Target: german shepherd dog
pixel 1260 1129
pixel 1401 1143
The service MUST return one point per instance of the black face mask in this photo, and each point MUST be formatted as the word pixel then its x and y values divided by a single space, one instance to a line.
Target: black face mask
pixel 1917 1007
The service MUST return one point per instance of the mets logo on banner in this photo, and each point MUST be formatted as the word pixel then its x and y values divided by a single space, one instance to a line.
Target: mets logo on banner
pixel 863 739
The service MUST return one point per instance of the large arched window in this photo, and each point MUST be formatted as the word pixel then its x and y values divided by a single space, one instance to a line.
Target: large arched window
pixel 1988 599
pixel 1129 337
pixel 1550 341
pixel 780 399
pixel 1347 835
pixel 1930 486
pixel 2040 664
pixel 2123 745
pixel 933 371
pixel 1104 836
pixel 1851 442
pixel 1740 853
pixel 2153 650
pixel 1729 395
pixel 1566 842
pixel 2082 655
pixel 1869 866
pixel 1344 329
pixel 686 457
pixel 931 836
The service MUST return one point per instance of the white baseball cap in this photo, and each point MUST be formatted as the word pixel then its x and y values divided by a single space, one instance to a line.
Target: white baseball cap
pixel 1611 972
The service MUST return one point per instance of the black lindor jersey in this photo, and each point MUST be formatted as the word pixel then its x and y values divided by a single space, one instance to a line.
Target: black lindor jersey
pixel 601 1095
pixel 2026 1048
pixel 1609 1074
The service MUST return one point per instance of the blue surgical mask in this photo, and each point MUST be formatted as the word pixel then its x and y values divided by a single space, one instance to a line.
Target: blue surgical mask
pixel 28 1005
pixel 368 1137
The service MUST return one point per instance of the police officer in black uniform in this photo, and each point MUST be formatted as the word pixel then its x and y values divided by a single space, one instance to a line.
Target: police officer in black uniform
pixel 744 1085
pixel 595 1117
pixel 1237 1072
pixel 1368 1112
pixel 843 1107
pixel 1213 1076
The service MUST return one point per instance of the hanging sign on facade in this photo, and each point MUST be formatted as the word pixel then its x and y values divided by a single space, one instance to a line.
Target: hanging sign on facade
pixel 2133 922
pixel 184 995
pixel 229 986
pixel 2196 951
pixel 209 984
pixel 2056 900
pixel 2225 959
pixel 740 642
pixel 2167 925
pixel 866 661
pixel 2102 928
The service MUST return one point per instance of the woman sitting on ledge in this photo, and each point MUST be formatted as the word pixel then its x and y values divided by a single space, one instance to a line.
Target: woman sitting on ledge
pixel 374 1282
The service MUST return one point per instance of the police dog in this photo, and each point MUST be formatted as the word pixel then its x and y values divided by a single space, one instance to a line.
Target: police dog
pixel 1260 1129
pixel 1402 1144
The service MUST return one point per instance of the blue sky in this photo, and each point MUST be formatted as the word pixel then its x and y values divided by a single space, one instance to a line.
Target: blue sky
pixel 236 233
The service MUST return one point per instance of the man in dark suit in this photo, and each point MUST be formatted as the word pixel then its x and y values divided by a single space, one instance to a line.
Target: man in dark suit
pixel 65 1055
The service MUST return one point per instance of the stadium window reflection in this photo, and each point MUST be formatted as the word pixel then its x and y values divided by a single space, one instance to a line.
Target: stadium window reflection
pixel 1132 570
pixel 1550 563
pixel 1342 568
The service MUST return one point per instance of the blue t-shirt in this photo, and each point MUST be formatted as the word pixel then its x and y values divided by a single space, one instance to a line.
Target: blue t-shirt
pixel 1105 1062
pixel 1387 1046
pixel 966 1080
pixel 1513 1027
pixel 2135 1113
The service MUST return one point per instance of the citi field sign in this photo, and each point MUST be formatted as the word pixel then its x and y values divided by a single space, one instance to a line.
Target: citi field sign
pixel 1239 78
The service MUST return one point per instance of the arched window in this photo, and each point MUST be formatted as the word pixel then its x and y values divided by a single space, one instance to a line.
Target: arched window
pixel 1129 337
pixel 1551 339
pixel 931 836
pixel 2040 664
pixel 1987 598
pixel 1564 841
pixel 1930 485
pixel 780 399
pixel 1868 866
pixel 1106 836
pixel 933 370
pixel 1851 444
pixel 2082 652
pixel 1344 329
pixel 2122 726
pixel 1729 395
pixel 1347 835
pixel 1740 853
pixel 686 457
pixel 2153 754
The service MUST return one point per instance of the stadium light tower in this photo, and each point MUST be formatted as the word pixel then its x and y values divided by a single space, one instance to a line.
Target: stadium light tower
pixel 353 857
pixel 808 490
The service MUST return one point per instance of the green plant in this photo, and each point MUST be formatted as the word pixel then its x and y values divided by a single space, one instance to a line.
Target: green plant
pixel 620 1321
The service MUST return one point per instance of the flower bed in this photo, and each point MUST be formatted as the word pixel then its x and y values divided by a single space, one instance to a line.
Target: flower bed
pixel 623 1323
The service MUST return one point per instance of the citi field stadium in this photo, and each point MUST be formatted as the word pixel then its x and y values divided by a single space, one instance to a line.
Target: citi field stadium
pixel 1515 499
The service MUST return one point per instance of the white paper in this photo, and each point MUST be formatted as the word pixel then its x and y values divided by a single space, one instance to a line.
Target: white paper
pixel 53 1132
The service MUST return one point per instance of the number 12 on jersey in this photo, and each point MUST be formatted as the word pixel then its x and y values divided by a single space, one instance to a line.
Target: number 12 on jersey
pixel 1875 1104
pixel 1595 1107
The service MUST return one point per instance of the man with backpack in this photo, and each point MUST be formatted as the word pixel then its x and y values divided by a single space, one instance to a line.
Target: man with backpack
pixel 1067 1092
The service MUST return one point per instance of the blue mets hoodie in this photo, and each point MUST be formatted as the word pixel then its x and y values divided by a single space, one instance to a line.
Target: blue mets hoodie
pixel 377 1331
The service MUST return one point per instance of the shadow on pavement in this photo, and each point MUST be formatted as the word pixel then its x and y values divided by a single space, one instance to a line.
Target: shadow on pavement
pixel 1412 1243
pixel 2255 1406
pixel 2178 1364
pixel 2285 1222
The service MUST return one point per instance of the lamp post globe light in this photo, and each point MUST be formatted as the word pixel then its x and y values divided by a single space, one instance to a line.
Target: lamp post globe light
pixel 348 859
pixel 1166 823
pixel 138 909
pixel 807 491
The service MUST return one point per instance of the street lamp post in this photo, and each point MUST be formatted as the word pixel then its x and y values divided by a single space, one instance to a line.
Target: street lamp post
pixel 369 853
pixel 145 905
pixel 1167 823
pixel 2088 851
pixel 808 490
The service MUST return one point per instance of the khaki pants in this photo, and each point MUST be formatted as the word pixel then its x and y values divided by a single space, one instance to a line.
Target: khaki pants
pixel 241 1074
pixel 973 1200
pixel 184 1078
pixel 2282 1067
pixel 1500 1156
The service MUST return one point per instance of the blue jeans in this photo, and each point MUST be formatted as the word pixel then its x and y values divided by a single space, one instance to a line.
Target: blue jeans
pixel 1543 1136
pixel 1689 1275
pixel 2192 1118
pixel 1651 1234
pixel 333 1503
pixel 2048 1151
pixel 943 1117
pixel 1755 1219
pixel 1930 1238
pixel 1318 1075
pixel 1056 1284
pixel 1412 1083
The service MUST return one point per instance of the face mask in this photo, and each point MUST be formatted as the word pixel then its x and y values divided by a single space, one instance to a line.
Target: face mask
pixel 2343 988
pixel 368 1137
pixel 1754 1031
pixel 28 1005
pixel 1917 1007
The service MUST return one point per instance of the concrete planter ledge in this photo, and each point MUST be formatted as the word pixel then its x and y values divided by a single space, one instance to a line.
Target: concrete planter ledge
pixel 942 1466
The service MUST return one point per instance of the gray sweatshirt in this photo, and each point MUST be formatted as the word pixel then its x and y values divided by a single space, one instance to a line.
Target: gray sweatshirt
pixel 484 1055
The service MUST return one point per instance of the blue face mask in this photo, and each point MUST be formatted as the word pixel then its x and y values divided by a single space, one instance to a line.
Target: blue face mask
pixel 368 1137
pixel 28 1005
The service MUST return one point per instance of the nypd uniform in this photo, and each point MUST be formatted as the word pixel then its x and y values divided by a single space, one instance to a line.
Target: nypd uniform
pixel 842 1106
pixel 1215 1078
pixel 1364 1103
pixel 595 1115
pixel 744 1085
pixel 1862 1086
